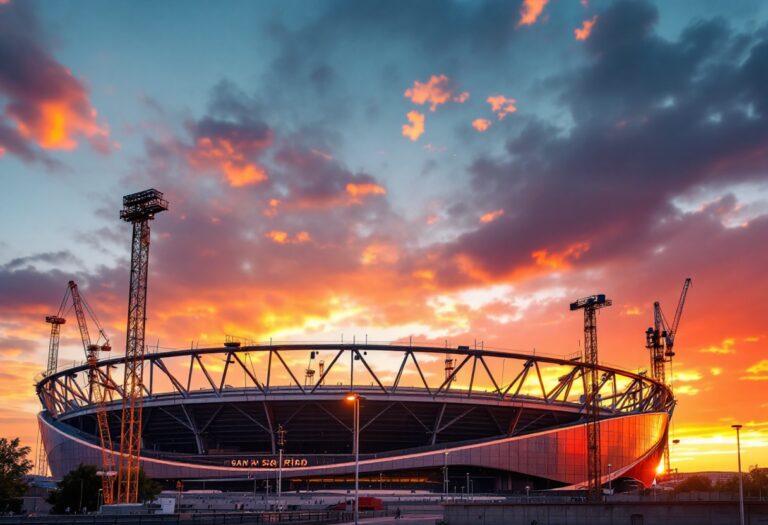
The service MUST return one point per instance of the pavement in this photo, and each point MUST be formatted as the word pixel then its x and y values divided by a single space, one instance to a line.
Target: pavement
pixel 407 519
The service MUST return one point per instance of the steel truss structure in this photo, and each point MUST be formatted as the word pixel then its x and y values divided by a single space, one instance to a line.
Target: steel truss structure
pixel 175 381
pixel 138 209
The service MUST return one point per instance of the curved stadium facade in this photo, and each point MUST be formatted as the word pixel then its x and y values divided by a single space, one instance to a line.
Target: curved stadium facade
pixel 507 420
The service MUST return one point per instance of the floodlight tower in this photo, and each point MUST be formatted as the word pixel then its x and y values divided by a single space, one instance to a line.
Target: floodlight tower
pixel 591 305
pixel 138 209
pixel 53 345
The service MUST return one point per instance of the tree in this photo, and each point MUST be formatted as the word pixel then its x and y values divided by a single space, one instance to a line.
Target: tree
pixel 80 488
pixel 755 482
pixel 14 465
pixel 695 483
pixel 148 488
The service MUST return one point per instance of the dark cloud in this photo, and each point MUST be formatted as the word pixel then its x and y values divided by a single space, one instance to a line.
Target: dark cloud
pixel 45 104
pixel 653 118
pixel 33 261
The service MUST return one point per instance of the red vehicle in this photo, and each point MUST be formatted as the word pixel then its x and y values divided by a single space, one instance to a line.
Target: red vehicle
pixel 365 502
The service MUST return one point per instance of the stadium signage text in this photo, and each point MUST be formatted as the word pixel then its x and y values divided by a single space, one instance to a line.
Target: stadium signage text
pixel 267 462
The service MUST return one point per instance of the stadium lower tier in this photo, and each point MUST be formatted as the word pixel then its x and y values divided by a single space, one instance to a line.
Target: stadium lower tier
pixel 554 458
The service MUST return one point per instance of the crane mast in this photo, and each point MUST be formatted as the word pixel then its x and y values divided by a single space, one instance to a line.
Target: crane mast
pixel 41 465
pixel 97 391
pixel 138 209
pixel 660 341
pixel 590 305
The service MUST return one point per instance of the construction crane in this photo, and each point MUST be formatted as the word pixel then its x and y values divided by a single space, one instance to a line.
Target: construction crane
pixel 97 389
pixel 138 209
pixel 41 465
pixel 660 342
pixel 660 338
pixel 309 374
pixel 591 305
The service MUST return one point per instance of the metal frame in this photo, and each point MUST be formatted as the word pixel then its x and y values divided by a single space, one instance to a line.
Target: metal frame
pixel 62 393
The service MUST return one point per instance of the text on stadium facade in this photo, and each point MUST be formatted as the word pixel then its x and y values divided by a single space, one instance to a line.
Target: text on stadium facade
pixel 267 462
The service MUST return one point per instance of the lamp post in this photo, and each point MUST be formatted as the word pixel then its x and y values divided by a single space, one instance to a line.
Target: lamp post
pixel 281 444
pixel 674 442
pixel 610 487
pixel 445 476
pixel 741 481
pixel 467 485
pixel 355 398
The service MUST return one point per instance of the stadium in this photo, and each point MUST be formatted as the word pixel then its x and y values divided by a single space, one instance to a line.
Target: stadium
pixel 430 418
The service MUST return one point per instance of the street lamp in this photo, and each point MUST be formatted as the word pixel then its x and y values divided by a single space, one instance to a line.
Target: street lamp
pixel 610 487
pixel 674 442
pixel 741 482
pixel 467 485
pixel 281 444
pixel 355 398
pixel 445 476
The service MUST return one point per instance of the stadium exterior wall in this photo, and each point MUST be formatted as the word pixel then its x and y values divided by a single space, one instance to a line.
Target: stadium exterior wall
pixel 632 444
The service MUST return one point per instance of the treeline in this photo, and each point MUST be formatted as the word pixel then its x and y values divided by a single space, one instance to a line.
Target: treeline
pixel 755 483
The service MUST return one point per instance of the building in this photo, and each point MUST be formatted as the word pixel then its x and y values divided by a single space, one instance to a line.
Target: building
pixel 454 420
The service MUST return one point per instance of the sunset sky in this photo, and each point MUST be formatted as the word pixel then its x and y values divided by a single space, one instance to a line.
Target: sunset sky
pixel 438 170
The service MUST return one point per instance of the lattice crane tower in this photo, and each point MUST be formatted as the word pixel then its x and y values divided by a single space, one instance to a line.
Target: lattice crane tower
pixel 591 305
pixel 138 209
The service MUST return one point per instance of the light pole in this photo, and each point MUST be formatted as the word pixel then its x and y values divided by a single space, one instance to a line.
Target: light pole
pixel 281 444
pixel 445 476
pixel 741 481
pixel 467 485
pixel 675 442
pixel 610 487
pixel 355 398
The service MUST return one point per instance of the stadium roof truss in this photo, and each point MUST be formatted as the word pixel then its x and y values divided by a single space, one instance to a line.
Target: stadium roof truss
pixel 621 392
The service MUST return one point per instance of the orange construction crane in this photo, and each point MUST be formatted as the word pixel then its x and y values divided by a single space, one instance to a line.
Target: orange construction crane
pixel 98 390
pixel 138 209
pixel 660 342
pixel 41 465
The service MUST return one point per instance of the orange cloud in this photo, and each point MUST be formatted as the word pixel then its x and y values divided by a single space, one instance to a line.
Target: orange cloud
pixel 271 211
pixel 365 188
pixel 380 254
pixel 426 274
pixel 530 11
pixel 758 371
pixel 243 175
pixel 415 129
pixel 437 90
pixel 481 124
pixel 491 216
pixel 725 348
pixel 583 32
pixel 281 237
pixel 502 105
pixel 461 97
pixel 559 260
pixel 56 123
pixel 231 161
